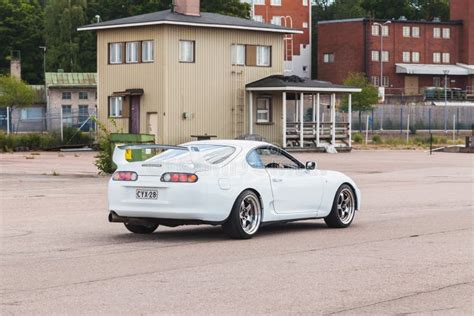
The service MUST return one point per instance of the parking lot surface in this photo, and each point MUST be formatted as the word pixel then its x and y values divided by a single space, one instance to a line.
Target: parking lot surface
pixel 409 250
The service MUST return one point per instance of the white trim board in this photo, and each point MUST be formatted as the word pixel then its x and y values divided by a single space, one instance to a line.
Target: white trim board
pixel 306 89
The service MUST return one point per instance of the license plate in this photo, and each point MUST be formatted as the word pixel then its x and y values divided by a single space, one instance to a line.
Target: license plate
pixel 146 194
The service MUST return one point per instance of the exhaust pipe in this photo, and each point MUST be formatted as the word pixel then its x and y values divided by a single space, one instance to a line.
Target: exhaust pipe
pixel 114 218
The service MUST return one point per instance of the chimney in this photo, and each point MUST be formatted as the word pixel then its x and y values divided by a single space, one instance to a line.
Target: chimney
pixel 15 65
pixel 187 7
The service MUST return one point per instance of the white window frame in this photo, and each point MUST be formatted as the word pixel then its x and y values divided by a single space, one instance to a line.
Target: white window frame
pixel 187 46
pixel 148 51
pixel 386 81
pixel 267 50
pixel 266 111
pixel 406 57
pixel 276 20
pixel 406 31
pixel 446 32
pixel 258 18
pixel 384 30
pixel 446 58
pixel 375 80
pixel 436 32
pixel 115 107
pixel 275 3
pixel 305 3
pixel 131 52
pixel 259 2
pixel 375 55
pixel 115 53
pixel 415 31
pixel 436 58
pixel 375 30
pixel 385 56
pixel 328 58
pixel 305 25
pixel 415 57
pixel 238 55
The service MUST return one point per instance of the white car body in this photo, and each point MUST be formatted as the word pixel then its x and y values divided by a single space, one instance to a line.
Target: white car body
pixel 285 194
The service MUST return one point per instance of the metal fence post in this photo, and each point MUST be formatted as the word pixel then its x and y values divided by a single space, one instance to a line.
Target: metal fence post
pixel 61 123
pixel 8 120
pixel 401 120
pixel 408 127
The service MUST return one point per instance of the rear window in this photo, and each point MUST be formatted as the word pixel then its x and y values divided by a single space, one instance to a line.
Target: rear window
pixel 212 154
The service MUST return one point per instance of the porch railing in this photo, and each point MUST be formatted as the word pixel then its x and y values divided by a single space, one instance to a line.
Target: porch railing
pixel 293 135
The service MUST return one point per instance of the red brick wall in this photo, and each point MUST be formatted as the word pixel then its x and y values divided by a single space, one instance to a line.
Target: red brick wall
pixel 299 14
pixel 464 10
pixel 346 41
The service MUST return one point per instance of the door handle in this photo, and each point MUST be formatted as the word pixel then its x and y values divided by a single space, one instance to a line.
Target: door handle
pixel 277 180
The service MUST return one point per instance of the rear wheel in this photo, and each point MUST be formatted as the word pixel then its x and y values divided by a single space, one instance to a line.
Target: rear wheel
pixel 245 217
pixel 343 208
pixel 146 228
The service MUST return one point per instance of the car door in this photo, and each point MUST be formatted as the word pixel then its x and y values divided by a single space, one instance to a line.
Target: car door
pixel 295 189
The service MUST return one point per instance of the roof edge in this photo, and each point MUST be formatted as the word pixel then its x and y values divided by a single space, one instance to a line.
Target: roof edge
pixel 450 22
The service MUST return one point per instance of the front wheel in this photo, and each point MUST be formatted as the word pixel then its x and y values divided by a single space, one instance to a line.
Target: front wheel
pixel 343 208
pixel 245 218
pixel 146 228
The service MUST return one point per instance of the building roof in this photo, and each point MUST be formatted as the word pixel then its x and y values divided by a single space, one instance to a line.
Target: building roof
pixel 470 68
pixel 71 79
pixel 430 69
pixel 204 20
pixel 295 83
pixel 392 20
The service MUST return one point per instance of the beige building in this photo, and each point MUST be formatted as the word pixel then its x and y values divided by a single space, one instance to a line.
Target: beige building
pixel 180 72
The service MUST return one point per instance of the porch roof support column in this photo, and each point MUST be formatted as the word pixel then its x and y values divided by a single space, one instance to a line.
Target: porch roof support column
pixel 333 118
pixel 301 120
pixel 318 123
pixel 284 119
pixel 250 112
pixel 349 119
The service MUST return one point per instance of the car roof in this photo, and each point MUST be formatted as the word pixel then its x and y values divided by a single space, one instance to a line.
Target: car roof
pixel 244 144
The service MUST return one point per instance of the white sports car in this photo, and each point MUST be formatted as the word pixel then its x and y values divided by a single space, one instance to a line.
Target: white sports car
pixel 238 184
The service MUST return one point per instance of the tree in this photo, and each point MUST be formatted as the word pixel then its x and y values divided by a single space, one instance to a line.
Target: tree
pixel 364 100
pixel 14 92
pixel 21 27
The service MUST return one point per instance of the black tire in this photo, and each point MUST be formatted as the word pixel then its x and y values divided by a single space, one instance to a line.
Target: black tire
pixel 147 228
pixel 339 218
pixel 242 226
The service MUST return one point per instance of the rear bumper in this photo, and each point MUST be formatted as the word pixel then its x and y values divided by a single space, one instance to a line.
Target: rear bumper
pixel 115 218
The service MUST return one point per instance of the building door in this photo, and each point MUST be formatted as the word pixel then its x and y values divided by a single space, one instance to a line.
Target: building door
pixel 411 85
pixel 152 124
pixel 135 114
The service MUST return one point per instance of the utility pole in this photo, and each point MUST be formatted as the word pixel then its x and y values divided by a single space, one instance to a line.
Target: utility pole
pixel 446 72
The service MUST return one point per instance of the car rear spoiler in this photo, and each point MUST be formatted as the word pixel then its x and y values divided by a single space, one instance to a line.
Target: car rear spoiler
pixel 122 152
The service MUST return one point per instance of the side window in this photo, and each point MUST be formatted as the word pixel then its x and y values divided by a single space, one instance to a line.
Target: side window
pixel 253 159
pixel 273 158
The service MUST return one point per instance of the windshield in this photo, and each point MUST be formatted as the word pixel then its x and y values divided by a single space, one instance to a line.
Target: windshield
pixel 212 154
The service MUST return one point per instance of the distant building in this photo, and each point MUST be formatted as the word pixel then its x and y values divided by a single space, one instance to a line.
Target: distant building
pixel 294 14
pixel 416 54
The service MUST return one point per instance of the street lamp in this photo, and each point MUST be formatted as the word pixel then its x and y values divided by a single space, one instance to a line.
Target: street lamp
pixel 381 63
pixel 446 72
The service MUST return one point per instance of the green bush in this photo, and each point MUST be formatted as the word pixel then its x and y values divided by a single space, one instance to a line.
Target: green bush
pixel 104 158
pixel 376 139
pixel 357 138
pixel 72 136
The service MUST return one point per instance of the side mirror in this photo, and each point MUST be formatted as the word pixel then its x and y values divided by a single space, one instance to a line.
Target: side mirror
pixel 310 165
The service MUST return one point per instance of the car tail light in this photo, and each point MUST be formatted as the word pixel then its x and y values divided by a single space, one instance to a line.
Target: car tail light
pixel 179 177
pixel 125 176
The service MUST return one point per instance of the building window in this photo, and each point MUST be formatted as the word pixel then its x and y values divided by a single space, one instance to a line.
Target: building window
pixel 115 106
pixel 305 3
pixel 328 58
pixel 83 95
pixel 436 32
pixel 31 114
pixel 276 20
pixel 275 2
pixel 186 51
pixel 385 30
pixel 415 57
pixel 259 2
pixel 406 31
pixel 406 57
pixel 263 56
pixel 437 81
pixel 115 53
pixel 83 113
pixel 263 110
pixel 66 95
pixel 385 56
pixel 415 31
pixel 446 33
pixel 446 58
pixel 258 18
pixel 305 25
pixel 375 30
pixel 375 80
pixel 375 55
pixel 436 58
pixel 67 115
pixel 131 55
pixel 386 81
pixel 238 54
pixel 148 51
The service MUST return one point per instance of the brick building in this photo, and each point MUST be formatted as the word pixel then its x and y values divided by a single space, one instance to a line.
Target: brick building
pixel 416 54
pixel 294 14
